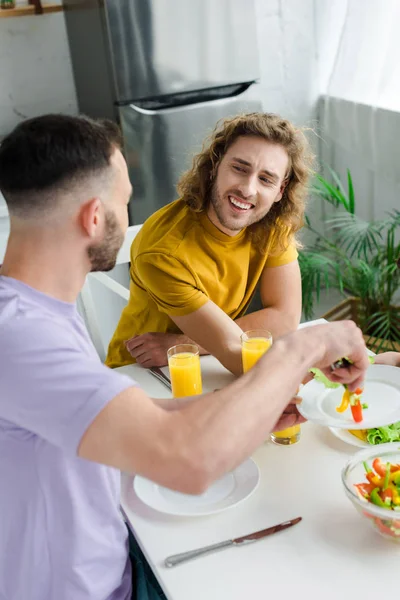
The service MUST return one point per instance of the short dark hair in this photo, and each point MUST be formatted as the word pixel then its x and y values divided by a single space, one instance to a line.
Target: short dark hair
pixel 46 153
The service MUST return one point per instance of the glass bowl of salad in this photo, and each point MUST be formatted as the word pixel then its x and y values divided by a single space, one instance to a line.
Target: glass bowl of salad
pixel 371 480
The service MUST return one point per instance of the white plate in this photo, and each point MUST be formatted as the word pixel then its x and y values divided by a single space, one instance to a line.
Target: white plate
pixel 224 493
pixel 381 393
pixel 349 438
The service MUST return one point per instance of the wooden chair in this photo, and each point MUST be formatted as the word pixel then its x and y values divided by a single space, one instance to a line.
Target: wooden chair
pixel 104 296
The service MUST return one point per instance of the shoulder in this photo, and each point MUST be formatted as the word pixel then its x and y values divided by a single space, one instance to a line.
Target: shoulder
pixel 165 230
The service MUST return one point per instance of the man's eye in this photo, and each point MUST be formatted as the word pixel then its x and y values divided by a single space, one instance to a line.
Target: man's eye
pixel 265 180
pixel 237 168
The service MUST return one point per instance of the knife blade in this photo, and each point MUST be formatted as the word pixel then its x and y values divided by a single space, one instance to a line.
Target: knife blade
pixel 177 559
pixel 158 374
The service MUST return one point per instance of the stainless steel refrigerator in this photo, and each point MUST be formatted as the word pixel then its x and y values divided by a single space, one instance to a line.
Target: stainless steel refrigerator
pixel 167 70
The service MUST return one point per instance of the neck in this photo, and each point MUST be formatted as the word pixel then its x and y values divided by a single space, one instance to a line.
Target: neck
pixel 47 261
pixel 212 215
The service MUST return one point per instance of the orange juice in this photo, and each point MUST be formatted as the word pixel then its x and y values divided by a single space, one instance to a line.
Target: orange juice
pixel 185 373
pixel 252 349
pixel 287 436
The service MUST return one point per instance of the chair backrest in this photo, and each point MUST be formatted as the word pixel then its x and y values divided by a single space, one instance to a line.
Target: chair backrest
pixel 104 296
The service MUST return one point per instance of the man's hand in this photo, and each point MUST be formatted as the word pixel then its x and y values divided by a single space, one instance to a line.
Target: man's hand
pixel 290 416
pixel 150 349
pixel 330 342
pixel 388 358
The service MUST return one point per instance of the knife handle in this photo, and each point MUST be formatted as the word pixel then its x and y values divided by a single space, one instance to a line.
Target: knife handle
pixel 177 559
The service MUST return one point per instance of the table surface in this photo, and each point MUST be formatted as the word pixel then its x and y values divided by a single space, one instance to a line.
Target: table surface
pixel 332 552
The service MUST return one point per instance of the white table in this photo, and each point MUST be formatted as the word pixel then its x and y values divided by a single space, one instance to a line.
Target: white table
pixel 331 554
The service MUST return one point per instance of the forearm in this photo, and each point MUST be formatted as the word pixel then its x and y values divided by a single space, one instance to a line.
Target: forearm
pixel 171 404
pixel 275 320
pixel 230 357
pixel 184 339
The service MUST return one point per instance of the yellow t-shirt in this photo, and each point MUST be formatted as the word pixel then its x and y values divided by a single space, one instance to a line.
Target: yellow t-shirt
pixel 180 261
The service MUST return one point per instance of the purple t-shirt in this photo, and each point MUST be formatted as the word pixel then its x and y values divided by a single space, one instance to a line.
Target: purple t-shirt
pixel 61 533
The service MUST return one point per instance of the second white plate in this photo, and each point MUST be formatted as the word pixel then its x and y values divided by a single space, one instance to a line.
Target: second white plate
pixel 225 493
pixel 381 393
pixel 349 438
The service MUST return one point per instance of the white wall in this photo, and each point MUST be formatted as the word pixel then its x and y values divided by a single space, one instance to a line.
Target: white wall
pixel 36 74
pixel 288 57
pixel 35 69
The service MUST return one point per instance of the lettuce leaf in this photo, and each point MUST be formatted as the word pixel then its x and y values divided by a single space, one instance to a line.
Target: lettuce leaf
pixel 321 378
pixel 381 435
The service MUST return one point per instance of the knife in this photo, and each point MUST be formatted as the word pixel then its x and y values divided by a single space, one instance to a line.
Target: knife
pixel 156 371
pixel 177 559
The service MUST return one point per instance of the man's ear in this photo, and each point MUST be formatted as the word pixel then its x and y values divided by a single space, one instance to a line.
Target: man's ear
pixel 282 190
pixel 91 217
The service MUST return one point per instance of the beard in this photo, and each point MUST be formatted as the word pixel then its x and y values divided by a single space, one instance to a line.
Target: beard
pixel 103 255
pixel 231 221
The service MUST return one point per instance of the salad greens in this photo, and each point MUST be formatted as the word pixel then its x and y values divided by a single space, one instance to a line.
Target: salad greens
pixel 321 378
pixel 381 435
pixel 375 436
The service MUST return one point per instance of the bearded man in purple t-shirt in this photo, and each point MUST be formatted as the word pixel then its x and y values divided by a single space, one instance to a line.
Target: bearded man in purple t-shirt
pixel 68 424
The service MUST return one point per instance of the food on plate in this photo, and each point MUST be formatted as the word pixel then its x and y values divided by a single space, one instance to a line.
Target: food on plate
pixel 321 378
pixel 361 434
pixel 382 435
pixel 378 435
pixel 352 399
pixel 382 488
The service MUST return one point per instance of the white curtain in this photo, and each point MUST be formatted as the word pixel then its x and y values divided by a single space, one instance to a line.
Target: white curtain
pixel 360 115
pixel 367 66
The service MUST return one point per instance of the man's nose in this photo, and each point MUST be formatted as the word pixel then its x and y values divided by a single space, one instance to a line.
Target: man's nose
pixel 248 187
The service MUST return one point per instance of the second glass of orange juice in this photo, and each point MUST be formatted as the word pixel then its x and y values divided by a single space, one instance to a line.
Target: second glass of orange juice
pixel 255 343
pixel 185 370
pixel 288 436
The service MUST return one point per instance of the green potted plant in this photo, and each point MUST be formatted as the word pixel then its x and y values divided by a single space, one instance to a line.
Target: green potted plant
pixel 359 258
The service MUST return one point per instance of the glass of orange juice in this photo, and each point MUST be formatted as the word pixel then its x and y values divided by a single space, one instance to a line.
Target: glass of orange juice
pixel 255 343
pixel 288 436
pixel 185 370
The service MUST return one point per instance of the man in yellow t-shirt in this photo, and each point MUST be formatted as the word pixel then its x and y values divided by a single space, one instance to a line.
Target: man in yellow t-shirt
pixel 196 262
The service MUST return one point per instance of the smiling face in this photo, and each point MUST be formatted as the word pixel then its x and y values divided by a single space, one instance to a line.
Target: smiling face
pixel 250 179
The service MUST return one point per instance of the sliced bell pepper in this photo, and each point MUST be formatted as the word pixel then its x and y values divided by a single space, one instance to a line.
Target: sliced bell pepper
pixel 395 477
pixel 376 499
pixel 345 401
pixel 387 475
pixel 374 479
pixel 364 489
pixel 396 497
pixel 366 467
pixel 380 468
pixel 357 411
pixel 351 399
pixel 387 496
pixel 361 434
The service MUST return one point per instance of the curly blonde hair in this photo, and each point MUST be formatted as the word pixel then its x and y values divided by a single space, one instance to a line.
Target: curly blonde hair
pixel 284 218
